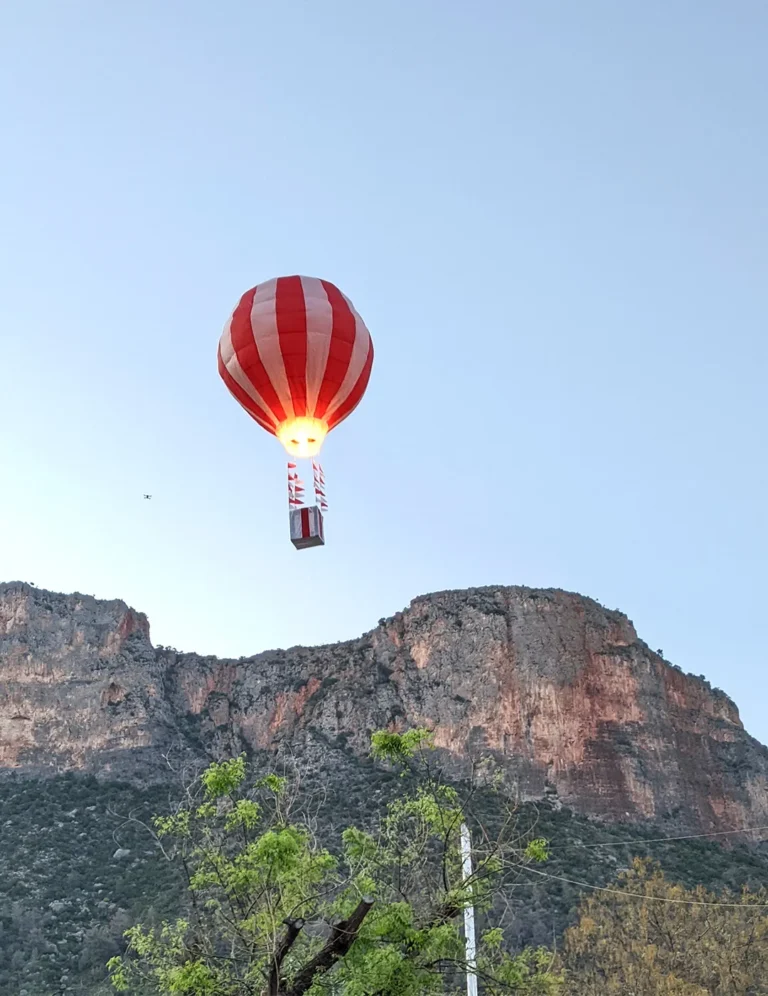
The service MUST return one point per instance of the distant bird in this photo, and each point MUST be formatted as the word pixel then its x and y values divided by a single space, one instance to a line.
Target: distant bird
pixel 147 496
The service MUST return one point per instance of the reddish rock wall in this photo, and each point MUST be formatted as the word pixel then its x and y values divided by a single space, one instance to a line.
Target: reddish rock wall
pixel 560 691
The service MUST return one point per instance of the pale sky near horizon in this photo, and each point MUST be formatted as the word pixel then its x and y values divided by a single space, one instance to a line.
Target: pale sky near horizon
pixel 553 218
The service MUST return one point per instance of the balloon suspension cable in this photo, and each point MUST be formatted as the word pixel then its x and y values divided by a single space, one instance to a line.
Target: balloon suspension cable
pixel 295 487
pixel 319 485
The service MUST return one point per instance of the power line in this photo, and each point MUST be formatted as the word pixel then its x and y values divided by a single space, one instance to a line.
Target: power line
pixel 657 840
pixel 640 895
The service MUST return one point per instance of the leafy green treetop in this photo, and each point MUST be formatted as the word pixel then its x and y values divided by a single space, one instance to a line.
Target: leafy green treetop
pixel 272 912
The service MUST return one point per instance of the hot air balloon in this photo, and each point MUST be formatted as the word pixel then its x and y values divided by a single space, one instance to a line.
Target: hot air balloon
pixel 297 356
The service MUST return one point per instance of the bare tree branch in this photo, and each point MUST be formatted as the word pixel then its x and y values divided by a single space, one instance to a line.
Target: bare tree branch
pixel 293 929
pixel 341 940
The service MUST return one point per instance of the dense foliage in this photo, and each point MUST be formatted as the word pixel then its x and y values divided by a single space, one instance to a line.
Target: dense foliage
pixel 273 912
pixel 649 937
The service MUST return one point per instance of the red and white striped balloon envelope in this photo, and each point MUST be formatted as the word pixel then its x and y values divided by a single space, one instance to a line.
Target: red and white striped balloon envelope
pixel 297 357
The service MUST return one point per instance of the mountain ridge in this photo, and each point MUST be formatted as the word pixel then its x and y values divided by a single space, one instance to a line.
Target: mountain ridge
pixel 560 692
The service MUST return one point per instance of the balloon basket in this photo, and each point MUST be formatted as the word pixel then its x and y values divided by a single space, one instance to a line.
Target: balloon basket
pixel 307 527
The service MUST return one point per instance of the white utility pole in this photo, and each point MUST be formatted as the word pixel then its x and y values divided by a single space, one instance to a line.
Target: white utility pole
pixel 469 913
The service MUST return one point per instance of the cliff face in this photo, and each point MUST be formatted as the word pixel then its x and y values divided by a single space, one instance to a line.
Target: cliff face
pixel 67 663
pixel 558 690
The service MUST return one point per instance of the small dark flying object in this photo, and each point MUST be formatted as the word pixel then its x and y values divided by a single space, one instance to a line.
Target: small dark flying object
pixel 147 496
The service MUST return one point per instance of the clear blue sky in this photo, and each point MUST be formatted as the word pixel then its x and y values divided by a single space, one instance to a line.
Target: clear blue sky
pixel 553 218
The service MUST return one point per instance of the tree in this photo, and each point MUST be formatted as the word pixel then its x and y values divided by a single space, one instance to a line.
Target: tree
pixel 653 938
pixel 273 912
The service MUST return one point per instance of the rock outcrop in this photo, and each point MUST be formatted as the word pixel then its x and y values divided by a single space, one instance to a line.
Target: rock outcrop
pixel 558 690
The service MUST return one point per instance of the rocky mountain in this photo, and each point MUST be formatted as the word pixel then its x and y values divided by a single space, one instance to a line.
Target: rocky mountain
pixel 614 748
pixel 560 691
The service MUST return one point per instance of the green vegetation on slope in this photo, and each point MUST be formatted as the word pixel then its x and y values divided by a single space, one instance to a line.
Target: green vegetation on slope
pixel 73 878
